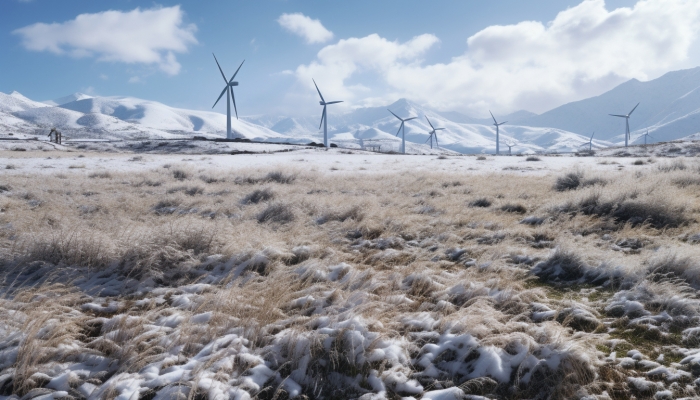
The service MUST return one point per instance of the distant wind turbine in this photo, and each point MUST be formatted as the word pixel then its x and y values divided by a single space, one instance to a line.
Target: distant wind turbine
pixel 496 124
pixel 627 123
pixel 402 129
pixel 433 133
pixel 590 143
pixel 510 146
pixel 324 116
pixel 645 137
pixel 229 95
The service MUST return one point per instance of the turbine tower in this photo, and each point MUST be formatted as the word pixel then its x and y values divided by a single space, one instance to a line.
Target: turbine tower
pixel 324 117
pixel 510 146
pixel 433 133
pixel 590 143
pixel 402 129
pixel 645 137
pixel 496 124
pixel 627 123
pixel 229 95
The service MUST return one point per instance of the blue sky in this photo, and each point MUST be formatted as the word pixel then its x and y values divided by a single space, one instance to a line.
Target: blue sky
pixel 466 56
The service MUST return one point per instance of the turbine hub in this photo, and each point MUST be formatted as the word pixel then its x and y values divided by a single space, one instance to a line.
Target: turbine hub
pixel 321 103
pixel 233 84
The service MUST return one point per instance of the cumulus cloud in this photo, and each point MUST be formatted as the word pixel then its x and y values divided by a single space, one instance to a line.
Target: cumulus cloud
pixel 151 36
pixel 584 51
pixel 310 29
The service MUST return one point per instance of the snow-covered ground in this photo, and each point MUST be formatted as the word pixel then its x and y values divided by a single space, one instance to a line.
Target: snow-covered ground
pixel 133 270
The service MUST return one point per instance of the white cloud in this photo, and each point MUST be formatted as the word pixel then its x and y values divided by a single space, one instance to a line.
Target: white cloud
pixel 584 51
pixel 151 36
pixel 135 79
pixel 310 29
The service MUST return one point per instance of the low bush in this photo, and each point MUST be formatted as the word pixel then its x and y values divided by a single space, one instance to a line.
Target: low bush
pixel 677 165
pixel 353 213
pixel 533 158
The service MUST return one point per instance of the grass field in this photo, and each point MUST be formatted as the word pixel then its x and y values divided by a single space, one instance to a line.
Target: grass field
pixel 176 280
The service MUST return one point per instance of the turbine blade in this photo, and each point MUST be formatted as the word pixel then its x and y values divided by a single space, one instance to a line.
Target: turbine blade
pixel 236 73
pixel 323 115
pixel 429 123
pixel 222 93
pixel 408 119
pixel 504 122
pixel 335 102
pixel 494 118
pixel 592 135
pixel 220 70
pixel 616 115
pixel 635 107
pixel 439 129
pixel 400 126
pixel 319 93
pixel 392 113
pixel 430 136
pixel 234 103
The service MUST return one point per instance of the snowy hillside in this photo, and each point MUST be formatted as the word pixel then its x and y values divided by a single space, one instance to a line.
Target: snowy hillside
pixel 67 99
pixel 669 107
pixel 116 117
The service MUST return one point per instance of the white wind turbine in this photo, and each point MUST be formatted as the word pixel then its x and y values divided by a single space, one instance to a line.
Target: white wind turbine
pixel 627 123
pixel 433 133
pixel 402 129
pixel 645 137
pixel 496 124
pixel 324 117
pixel 229 95
pixel 510 146
pixel 590 143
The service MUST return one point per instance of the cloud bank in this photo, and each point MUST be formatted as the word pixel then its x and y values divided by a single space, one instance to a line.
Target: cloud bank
pixel 310 29
pixel 151 36
pixel 584 51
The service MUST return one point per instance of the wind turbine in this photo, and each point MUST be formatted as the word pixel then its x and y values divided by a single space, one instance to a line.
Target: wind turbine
pixel 627 123
pixel 510 146
pixel 402 129
pixel 645 137
pixel 590 143
pixel 433 132
pixel 324 117
pixel 496 124
pixel 229 94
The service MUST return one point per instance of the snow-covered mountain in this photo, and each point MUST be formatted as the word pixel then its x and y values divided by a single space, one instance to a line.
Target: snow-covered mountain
pixel 127 117
pixel 67 99
pixel 669 107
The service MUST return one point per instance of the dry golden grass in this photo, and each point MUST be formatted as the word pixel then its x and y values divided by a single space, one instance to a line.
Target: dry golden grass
pixel 443 253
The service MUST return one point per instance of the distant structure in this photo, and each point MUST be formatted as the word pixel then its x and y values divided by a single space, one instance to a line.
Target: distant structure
pixel 496 124
pixel 510 146
pixel 433 133
pixel 402 129
pixel 590 143
pixel 229 95
pixel 645 137
pixel 627 123
pixel 324 117
pixel 57 136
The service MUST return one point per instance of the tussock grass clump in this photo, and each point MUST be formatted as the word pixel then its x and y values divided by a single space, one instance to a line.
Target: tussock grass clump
pixel 180 175
pixel 188 190
pixel 629 208
pixel 354 213
pixel 514 208
pixel 482 202
pixel 166 206
pixel 676 165
pixel 279 213
pixel 271 177
pixel 561 266
pixel 258 195
pixel 68 249
pixel 575 180
pixel 685 181
pixel 5 188
pixel 638 162
pixel 533 158
pixel 481 158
